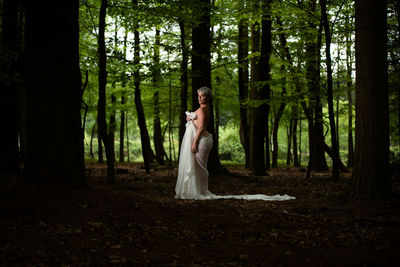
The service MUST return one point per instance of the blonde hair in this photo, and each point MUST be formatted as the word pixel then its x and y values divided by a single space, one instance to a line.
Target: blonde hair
pixel 205 90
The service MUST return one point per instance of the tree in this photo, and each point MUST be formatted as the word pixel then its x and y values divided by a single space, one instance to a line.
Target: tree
pixel 54 133
pixel 243 80
pixel 201 69
pixel 147 152
pixel 9 101
pixel 370 178
pixel 184 81
pixel 106 136
pixel 157 135
pixel 349 84
pixel 334 137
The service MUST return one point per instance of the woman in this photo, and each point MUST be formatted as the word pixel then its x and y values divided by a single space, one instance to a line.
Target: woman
pixel 192 182
pixel 196 145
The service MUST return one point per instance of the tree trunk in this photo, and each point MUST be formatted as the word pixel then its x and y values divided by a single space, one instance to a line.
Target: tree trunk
pixel 123 109
pixel 398 88
pixel 53 80
pixel 9 105
pixel 335 148
pixel 265 77
pixel 289 143
pixel 201 71
pixel 99 145
pixel 370 177
pixel 157 134
pixel 277 119
pixel 258 93
pixel 317 160
pixel 243 73
pixel 101 106
pixel 184 83
pixel 147 152
pixel 294 134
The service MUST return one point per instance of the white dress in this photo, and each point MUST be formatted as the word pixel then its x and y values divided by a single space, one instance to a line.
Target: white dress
pixel 192 181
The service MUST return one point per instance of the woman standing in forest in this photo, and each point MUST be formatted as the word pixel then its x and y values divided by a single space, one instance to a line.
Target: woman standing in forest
pixel 197 142
pixel 192 182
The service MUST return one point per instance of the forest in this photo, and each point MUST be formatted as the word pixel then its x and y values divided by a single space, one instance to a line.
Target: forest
pixel 305 101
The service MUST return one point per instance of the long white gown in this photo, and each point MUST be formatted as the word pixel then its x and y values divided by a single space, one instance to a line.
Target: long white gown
pixel 192 182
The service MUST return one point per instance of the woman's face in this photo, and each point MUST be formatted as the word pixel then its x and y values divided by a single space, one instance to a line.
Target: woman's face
pixel 203 99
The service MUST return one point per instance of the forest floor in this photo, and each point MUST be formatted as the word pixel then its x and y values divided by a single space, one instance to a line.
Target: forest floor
pixel 137 222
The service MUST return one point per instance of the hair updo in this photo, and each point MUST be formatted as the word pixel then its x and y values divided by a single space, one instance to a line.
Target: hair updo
pixel 205 90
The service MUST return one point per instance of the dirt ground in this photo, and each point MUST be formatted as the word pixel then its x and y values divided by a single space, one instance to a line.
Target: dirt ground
pixel 137 222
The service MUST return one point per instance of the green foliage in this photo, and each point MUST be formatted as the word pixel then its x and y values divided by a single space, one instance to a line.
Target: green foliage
pixel 300 25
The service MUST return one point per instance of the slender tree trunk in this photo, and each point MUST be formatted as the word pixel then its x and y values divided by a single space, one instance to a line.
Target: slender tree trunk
pixel 91 141
pixel 101 106
pixel 370 177
pixel 335 148
pixel 9 105
pixel 99 145
pixel 316 132
pixel 243 74
pixel 294 133
pixel 398 87
pixel 201 71
pixel 289 143
pixel 147 152
pixel 157 134
pixel 53 80
pixel 123 109
pixel 277 119
pixel 184 83
pixel 350 155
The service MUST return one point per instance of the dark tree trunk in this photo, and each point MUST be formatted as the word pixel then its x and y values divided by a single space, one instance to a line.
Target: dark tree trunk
pixel 123 109
pixel 398 88
pixel 277 119
pixel 201 71
pixel 99 145
pixel 294 136
pixel 258 92
pixel 265 77
pixel 289 143
pixel 317 160
pixel 349 83
pixel 147 152
pixel 9 105
pixel 243 73
pixel 91 141
pixel 334 137
pixel 157 134
pixel 53 80
pixel 184 83
pixel 370 177
pixel 101 105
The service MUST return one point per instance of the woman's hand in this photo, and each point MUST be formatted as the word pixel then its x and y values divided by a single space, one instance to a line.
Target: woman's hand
pixel 194 148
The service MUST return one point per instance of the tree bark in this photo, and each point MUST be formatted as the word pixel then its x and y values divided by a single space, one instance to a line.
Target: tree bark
pixel 317 160
pixel 201 71
pixel 294 133
pixel 123 109
pixel 53 80
pixel 101 105
pixel 147 152
pixel 334 137
pixel 9 104
pixel 370 177
pixel 243 73
pixel 157 134
pixel 265 77
pixel 184 82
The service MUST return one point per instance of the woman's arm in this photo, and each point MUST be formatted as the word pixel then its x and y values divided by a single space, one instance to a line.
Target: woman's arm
pixel 200 129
